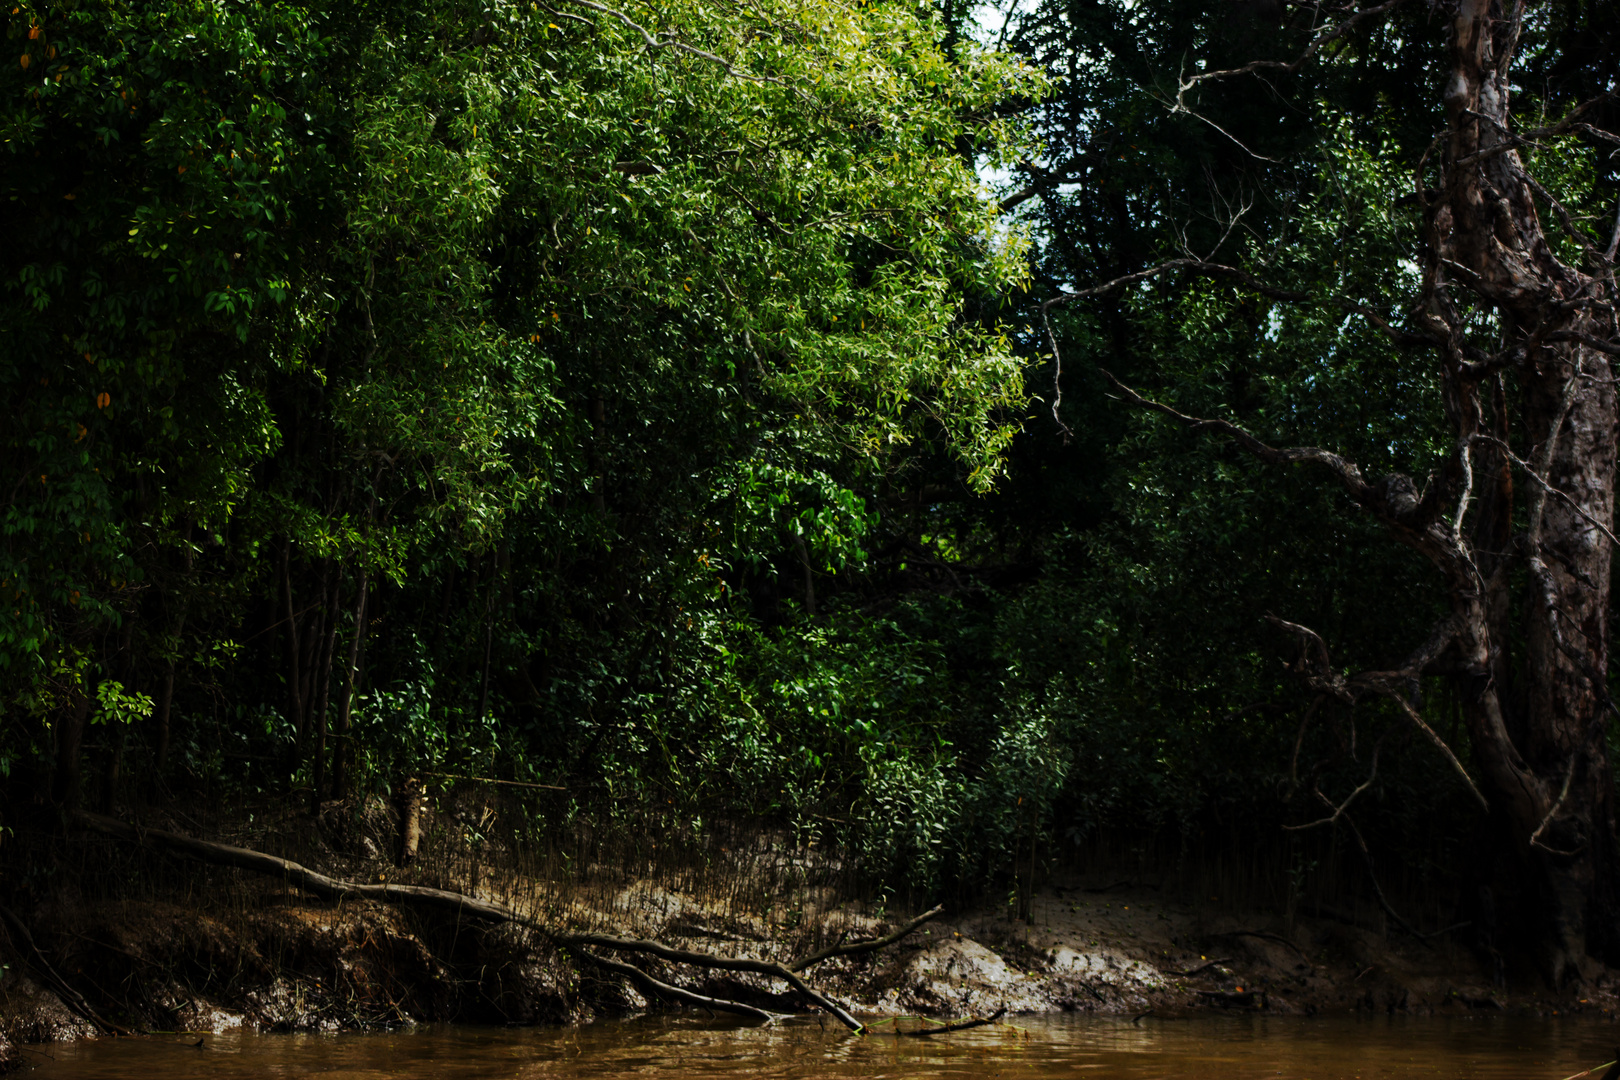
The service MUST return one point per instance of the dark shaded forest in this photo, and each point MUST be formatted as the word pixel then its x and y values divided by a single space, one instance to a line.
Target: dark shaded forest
pixel 971 440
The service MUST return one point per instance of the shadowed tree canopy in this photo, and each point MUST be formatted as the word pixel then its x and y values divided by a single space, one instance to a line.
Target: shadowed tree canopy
pixel 1374 243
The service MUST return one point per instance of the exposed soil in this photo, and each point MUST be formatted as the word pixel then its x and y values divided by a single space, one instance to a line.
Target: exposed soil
pixel 274 959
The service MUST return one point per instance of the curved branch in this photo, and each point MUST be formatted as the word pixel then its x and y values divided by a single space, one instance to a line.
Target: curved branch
pixel 1349 474
pixel 1440 744
pixel 1535 837
pixel 858 947
pixel 1338 811
pixel 722 963
pixel 1326 37
pixel 666 990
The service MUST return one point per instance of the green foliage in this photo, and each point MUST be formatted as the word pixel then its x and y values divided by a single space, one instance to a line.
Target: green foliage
pixel 437 379
pixel 638 400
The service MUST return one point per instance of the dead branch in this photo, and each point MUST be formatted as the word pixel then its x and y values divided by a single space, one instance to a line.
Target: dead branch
pixel 1378 891
pixel 1349 473
pixel 1390 684
pixel 1299 740
pixel 1323 39
pixel 491 780
pixel 1440 744
pixel 1338 811
pixel 665 990
pixel 958 1025
pixel 1535 837
pixel 299 876
pixel 722 963
pixel 856 947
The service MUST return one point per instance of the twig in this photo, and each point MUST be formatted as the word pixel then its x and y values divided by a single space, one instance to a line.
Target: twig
pixel 1326 37
pixel 653 41
pixel 1383 901
pixel 1613 1066
pixel 1434 737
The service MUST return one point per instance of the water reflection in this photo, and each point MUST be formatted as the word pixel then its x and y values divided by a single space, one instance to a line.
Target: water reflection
pixel 1214 1048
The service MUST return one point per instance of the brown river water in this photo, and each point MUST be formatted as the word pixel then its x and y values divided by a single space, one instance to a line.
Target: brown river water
pixel 1205 1048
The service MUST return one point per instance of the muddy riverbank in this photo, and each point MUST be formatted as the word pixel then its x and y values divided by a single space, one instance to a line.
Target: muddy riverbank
pixel 209 949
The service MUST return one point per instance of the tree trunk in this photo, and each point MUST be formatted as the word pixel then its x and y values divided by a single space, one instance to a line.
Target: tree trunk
pixel 1542 750
pixel 410 820
pixel 69 780
pixel 343 752
pixel 295 682
pixel 160 756
pixel 319 756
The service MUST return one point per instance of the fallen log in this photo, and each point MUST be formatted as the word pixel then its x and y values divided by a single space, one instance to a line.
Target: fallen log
pixel 460 904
